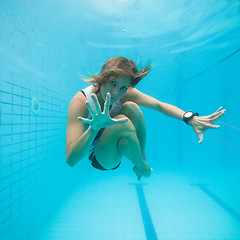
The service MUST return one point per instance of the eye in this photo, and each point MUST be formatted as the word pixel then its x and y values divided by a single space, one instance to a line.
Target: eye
pixel 114 83
pixel 124 88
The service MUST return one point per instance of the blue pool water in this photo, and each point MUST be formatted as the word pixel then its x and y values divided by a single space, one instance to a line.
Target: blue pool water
pixel 193 193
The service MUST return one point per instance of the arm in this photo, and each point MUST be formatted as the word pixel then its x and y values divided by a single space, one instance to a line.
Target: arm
pixel 78 142
pixel 199 124
pixel 144 100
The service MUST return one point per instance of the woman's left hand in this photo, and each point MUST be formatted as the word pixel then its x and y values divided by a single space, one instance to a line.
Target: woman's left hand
pixel 201 124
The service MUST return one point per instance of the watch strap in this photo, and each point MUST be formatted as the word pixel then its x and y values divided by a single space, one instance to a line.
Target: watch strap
pixel 187 119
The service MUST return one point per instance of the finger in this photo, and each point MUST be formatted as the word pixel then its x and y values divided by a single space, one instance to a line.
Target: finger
pixel 214 126
pixel 97 104
pixel 204 124
pixel 217 113
pixel 120 121
pixel 217 117
pixel 220 113
pixel 90 108
pixel 107 103
pixel 221 109
pixel 209 125
pixel 200 135
pixel 84 120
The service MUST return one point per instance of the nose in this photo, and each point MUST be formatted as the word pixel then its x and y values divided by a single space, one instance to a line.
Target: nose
pixel 115 93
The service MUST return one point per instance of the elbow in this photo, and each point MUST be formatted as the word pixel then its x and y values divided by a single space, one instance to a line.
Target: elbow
pixel 69 159
pixel 73 156
pixel 69 163
pixel 72 159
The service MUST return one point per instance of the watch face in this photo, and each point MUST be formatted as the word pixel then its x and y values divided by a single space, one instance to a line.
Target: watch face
pixel 188 114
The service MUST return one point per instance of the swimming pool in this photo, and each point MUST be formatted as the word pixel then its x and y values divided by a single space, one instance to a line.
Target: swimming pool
pixel 193 192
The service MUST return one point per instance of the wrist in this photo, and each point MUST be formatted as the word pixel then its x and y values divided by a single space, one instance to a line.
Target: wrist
pixel 94 130
pixel 192 121
pixel 188 116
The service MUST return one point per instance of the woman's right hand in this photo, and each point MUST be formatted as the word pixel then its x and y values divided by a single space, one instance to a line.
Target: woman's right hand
pixel 100 119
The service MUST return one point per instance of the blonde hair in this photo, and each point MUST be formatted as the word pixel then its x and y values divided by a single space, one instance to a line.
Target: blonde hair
pixel 115 67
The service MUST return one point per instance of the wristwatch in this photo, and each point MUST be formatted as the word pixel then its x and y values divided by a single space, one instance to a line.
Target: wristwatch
pixel 187 116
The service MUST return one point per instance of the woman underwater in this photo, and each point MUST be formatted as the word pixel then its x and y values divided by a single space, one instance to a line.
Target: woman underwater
pixel 105 120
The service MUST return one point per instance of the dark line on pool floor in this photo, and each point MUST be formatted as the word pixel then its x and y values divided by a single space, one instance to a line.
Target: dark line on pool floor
pixel 146 217
pixel 224 205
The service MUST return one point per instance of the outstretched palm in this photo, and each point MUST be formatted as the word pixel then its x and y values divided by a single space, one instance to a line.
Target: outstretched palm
pixel 201 124
pixel 100 119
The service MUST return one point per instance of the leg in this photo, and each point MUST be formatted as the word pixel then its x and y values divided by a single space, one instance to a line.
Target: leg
pixel 134 113
pixel 118 140
pixel 129 147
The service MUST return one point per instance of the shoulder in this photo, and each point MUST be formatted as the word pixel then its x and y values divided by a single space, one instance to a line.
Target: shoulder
pixel 133 95
pixel 75 128
pixel 77 106
pixel 140 99
pixel 78 99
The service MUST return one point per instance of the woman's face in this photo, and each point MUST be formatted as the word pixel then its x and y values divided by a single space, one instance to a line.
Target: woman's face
pixel 116 87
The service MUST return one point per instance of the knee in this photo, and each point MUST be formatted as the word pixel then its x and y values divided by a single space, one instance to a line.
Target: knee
pixel 126 128
pixel 131 109
pixel 129 105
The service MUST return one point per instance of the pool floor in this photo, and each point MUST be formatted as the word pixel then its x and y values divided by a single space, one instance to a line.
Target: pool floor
pixel 168 205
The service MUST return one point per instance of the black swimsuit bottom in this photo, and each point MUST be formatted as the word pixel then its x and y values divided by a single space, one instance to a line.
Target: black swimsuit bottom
pixel 97 165
pixel 92 156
